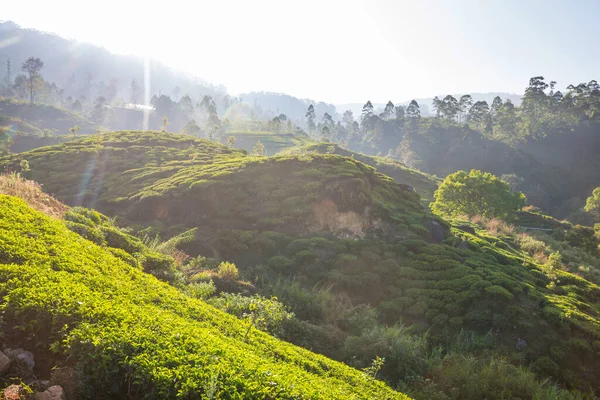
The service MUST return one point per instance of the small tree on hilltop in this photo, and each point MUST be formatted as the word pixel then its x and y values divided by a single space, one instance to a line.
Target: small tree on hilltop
pixel 74 130
pixel 476 193
pixel 259 149
pixel 165 122
pixel 230 141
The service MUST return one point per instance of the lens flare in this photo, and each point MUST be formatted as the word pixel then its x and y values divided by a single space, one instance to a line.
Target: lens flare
pixel 98 165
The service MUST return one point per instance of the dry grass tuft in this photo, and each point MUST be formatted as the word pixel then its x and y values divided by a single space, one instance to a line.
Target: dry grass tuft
pixel 31 192
pixel 180 257
pixel 477 219
pixel 541 257
pixel 494 226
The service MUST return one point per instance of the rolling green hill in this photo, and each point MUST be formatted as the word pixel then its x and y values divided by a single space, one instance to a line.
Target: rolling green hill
pixel 423 184
pixel 126 334
pixel 179 180
pixel 365 267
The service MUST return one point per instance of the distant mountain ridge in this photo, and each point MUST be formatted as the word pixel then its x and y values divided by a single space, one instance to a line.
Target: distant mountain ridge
pixel 87 70
pixel 293 107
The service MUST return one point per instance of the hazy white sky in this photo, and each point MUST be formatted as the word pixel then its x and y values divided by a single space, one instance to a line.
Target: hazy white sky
pixel 342 50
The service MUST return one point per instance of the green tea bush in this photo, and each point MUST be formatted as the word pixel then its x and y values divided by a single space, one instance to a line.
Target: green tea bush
pixel 405 354
pixel 470 378
pixel 531 245
pixel 227 271
pixel 279 263
pixel 262 313
pixel 201 290
pixel 306 304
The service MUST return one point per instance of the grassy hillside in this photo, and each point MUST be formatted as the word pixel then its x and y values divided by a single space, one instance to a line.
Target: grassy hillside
pixel 126 334
pixel 424 184
pixel 274 142
pixel 366 269
pixel 43 116
pixel 179 180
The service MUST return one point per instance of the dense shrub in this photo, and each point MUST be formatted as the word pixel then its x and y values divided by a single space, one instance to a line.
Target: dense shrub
pixel 476 193
pixel 227 271
pixel 471 378
pixel 260 312
pixel 404 354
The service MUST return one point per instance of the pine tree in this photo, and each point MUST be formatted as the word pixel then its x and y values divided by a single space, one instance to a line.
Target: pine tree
pixel 8 76
pixel 310 119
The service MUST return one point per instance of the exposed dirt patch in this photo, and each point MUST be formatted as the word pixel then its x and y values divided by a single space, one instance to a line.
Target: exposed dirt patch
pixel 327 218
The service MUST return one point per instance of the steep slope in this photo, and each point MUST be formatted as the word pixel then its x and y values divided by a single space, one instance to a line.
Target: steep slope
pixel 126 334
pixel 295 224
pixel 32 194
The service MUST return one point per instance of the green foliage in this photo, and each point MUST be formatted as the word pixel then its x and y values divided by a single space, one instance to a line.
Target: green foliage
pixel 201 290
pixel 531 245
pixel 466 342
pixel 169 246
pixel 592 204
pixel 583 237
pixel 153 256
pixel 128 334
pixel 360 319
pixel 262 313
pixel 553 265
pixel 499 292
pixel 375 366
pixel 227 271
pixel 476 193
pixel 279 262
pixel 469 377
pixel 404 353
pixel 306 304
pixel 24 166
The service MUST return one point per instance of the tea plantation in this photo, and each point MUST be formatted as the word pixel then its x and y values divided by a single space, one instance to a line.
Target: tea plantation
pixel 368 271
pixel 128 335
